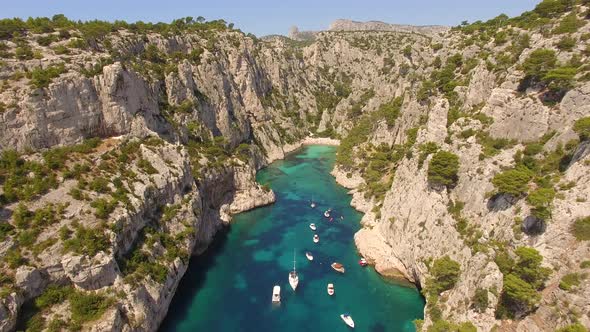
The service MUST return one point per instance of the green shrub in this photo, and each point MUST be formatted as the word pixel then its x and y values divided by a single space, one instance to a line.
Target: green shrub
pixel 585 265
pixel 581 229
pixel 513 182
pixel 569 24
pixel 566 43
pixel 445 326
pixel 480 300
pixel 103 208
pixel 570 281
pixel 576 327
pixel 426 149
pixel 5 230
pixel 391 110
pixel 582 128
pixel 88 241
pixel 522 279
pixel 88 307
pixel 146 166
pixel 100 185
pixel 443 169
pixel 40 78
pixel 14 258
pixel 540 199
pixel 445 274
pixel 539 63
pixel 53 295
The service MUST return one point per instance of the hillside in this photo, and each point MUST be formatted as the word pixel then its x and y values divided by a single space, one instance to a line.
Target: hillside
pixel 126 146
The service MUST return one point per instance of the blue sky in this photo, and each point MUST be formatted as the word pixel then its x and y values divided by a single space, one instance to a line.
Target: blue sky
pixel 263 17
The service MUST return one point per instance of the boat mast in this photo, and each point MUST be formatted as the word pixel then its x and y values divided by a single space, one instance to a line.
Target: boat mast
pixel 293 260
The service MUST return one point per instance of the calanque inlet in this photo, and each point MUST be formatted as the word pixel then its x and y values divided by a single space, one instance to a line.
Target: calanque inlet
pixel 126 148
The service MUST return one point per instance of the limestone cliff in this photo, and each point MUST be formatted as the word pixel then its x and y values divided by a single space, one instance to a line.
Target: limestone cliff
pixel 126 147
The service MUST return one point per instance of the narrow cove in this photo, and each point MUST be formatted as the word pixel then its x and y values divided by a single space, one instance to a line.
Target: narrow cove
pixel 229 287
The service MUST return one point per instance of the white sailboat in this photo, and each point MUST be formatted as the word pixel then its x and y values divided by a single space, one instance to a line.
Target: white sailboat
pixel 293 277
pixel 312 226
pixel 309 256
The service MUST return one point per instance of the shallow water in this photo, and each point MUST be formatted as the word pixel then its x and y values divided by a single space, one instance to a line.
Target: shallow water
pixel 229 288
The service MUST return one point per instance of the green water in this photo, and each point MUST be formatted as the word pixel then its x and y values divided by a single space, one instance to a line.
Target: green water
pixel 229 288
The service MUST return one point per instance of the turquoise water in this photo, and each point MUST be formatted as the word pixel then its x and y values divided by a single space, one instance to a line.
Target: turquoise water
pixel 229 288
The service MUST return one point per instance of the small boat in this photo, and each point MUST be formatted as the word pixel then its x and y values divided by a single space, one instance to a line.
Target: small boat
pixel 293 277
pixel 327 213
pixel 331 219
pixel 330 289
pixel 316 238
pixel 312 204
pixel 341 217
pixel 363 262
pixel 312 226
pixel 348 320
pixel 309 256
pixel 276 294
pixel 338 267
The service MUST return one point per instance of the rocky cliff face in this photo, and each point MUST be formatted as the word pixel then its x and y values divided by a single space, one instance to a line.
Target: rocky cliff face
pixel 185 116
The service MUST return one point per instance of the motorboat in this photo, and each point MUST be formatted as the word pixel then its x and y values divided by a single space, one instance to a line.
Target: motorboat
pixel 363 262
pixel 312 226
pixel 276 294
pixel 316 238
pixel 338 267
pixel 312 204
pixel 293 276
pixel 309 256
pixel 330 289
pixel 327 213
pixel 348 320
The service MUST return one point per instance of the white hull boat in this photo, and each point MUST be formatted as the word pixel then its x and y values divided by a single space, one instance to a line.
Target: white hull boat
pixel 293 277
pixel 348 320
pixel 313 227
pixel 338 267
pixel 327 214
pixel 330 289
pixel 276 294
pixel 309 256
pixel 316 238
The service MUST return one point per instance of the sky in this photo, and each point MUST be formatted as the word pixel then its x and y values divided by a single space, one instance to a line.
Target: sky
pixel 264 17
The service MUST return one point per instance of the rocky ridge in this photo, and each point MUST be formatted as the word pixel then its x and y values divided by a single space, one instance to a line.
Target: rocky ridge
pixel 194 113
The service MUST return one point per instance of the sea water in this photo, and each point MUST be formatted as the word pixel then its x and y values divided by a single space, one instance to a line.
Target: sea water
pixel 229 288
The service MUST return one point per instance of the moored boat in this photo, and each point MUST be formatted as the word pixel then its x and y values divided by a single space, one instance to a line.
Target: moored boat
pixel 312 204
pixel 330 289
pixel 348 320
pixel 327 213
pixel 312 226
pixel 276 294
pixel 309 256
pixel 316 238
pixel 363 262
pixel 293 276
pixel 338 267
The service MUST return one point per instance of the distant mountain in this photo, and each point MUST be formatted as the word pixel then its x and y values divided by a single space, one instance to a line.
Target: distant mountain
pixel 349 25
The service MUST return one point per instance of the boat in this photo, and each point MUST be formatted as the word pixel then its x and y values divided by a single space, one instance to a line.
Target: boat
pixel 309 256
pixel 276 294
pixel 348 320
pixel 363 262
pixel 338 267
pixel 312 226
pixel 312 204
pixel 331 219
pixel 327 213
pixel 316 238
pixel 293 277
pixel 330 289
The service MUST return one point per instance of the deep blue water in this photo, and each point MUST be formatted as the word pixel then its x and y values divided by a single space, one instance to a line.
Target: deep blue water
pixel 229 288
